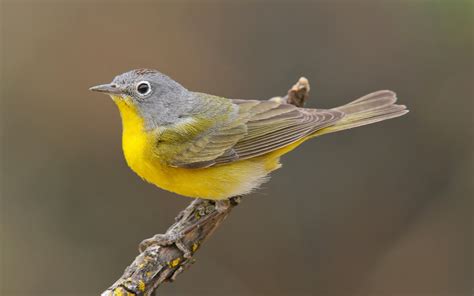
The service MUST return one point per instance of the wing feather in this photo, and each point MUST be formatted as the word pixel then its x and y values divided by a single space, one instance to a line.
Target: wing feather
pixel 256 128
pixel 268 135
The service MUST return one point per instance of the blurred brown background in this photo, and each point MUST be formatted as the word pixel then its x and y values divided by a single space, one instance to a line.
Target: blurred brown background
pixel 380 210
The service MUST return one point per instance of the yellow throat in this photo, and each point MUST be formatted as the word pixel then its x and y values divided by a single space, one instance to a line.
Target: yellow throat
pixel 134 138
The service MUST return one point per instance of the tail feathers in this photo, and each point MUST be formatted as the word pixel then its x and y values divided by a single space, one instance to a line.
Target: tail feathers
pixel 374 107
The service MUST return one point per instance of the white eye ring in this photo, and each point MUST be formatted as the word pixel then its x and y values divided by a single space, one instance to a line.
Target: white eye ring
pixel 143 88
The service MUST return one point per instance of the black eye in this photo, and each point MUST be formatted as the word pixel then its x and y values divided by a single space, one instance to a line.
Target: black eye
pixel 143 87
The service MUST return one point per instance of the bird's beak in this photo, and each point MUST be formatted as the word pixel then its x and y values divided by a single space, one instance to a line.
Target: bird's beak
pixel 110 88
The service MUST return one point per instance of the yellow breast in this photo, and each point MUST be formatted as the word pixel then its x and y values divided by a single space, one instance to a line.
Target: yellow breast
pixel 218 182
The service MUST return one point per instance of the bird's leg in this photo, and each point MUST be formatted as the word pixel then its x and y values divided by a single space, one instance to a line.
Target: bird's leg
pixel 184 214
pixel 174 235
pixel 194 216
pixel 222 205
pixel 191 218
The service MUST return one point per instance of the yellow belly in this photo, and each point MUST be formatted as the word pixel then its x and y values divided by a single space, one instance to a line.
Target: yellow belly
pixel 219 182
pixel 210 183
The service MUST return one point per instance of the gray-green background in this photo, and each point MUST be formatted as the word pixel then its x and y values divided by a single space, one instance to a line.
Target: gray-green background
pixel 380 210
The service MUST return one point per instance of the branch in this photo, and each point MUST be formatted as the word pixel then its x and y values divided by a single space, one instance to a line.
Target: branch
pixel 157 264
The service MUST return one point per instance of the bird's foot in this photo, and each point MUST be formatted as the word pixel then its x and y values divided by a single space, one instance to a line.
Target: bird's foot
pixel 167 239
pixel 224 204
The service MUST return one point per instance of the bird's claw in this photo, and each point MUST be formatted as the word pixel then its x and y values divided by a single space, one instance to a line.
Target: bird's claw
pixel 164 240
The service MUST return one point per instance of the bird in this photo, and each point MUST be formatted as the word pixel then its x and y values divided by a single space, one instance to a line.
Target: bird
pixel 210 147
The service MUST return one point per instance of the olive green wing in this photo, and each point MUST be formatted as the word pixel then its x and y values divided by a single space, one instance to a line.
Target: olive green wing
pixel 273 125
pixel 214 127
pixel 255 128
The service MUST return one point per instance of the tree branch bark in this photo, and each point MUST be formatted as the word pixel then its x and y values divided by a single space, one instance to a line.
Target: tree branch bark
pixel 157 264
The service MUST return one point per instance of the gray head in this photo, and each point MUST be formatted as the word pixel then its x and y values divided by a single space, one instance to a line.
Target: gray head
pixel 159 99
